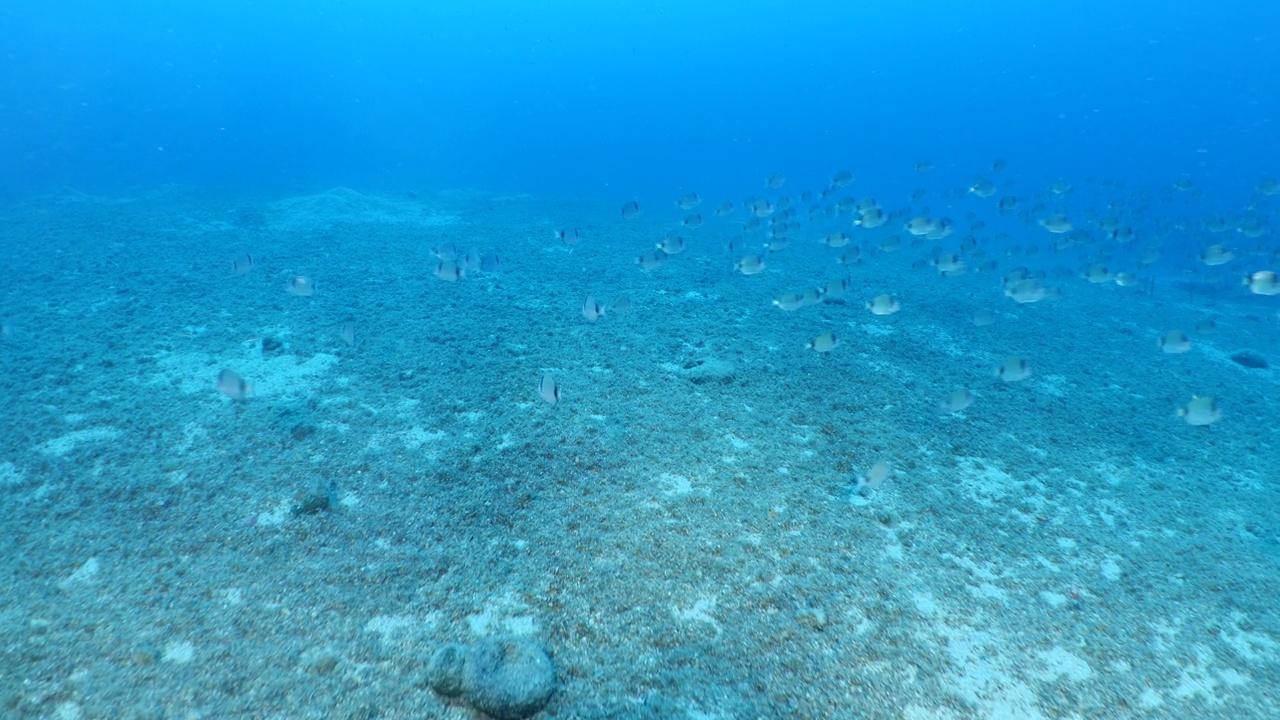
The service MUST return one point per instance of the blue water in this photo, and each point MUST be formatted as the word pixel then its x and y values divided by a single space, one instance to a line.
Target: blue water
pixel 285 308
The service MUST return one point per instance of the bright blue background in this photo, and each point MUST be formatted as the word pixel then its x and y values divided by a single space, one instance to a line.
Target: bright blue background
pixel 621 99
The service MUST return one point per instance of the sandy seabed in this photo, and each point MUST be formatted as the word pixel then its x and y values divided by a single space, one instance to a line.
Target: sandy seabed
pixel 680 532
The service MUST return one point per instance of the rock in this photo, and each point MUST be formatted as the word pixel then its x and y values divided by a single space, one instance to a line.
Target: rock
pixel 507 678
pixel 444 672
pixel 1250 359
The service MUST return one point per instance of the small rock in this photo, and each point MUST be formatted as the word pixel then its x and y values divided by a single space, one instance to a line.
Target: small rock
pixel 271 346
pixel 1250 359
pixel 317 499
pixel 812 617
pixel 444 672
pixel 508 679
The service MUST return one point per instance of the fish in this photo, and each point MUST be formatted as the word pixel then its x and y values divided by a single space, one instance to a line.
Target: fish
pixel 549 389
pixel 445 251
pixel 689 202
pixel 348 333
pixel 1174 342
pixel 300 286
pixel 775 181
pixel 836 289
pixel 761 207
pixel 837 239
pixel 725 209
pixel 693 222
pixel 1263 282
pixel 243 263
pixel 750 265
pixel 949 264
pixel 448 270
pixel 826 342
pixel 672 244
pixel 1202 411
pixel 652 260
pixel 874 477
pixel 491 263
pixel 883 305
pixel 1007 204
pixel 1206 327
pixel 924 166
pixel 789 301
pixel 568 236
pixel 233 386
pixel 1013 369
pixel 984 318
pixel 1215 255
pixel 852 256
pixel 871 218
pixel 983 188
pixel 592 310
pixel 956 402
pixel 630 209
pixel 842 179
pixel 1056 223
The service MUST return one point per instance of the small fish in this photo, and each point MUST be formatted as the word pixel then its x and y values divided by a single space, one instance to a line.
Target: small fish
pixel 924 166
pixel 549 389
pixel 630 209
pixel 983 188
pixel 826 342
pixel 300 286
pixel 1097 274
pixel 1215 255
pixel 998 165
pixel 836 289
pixel 725 209
pixel 1175 342
pixel 949 264
pixel 919 225
pixel 1056 223
pixel 984 318
pixel 672 244
pixel 619 305
pixel 348 333
pixel 689 202
pixel 1007 204
pixel 789 301
pixel 761 208
pixel 652 260
pixel 1263 282
pixel 837 239
pixel 243 263
pixel 842 179
pixel 750 265
pixel 883 305
pixel 693 222
pixel 891 244
pixel 491 263
pixel 775 181
pixel 1126 279
pixel 445 251
pixel 852 256
pixel 233 386
pixel 568 236
pixel 1201 411
pixel 956 402
pixel 448 270
pixel 591 309
pixel 871 218
pixel 875 477
pixel 1206 327
pixel 1013 369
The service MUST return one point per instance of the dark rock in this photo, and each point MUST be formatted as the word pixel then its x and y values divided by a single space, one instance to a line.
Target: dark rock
pixel 272 346
pixel 508 679
pixel 444 671
pixel 1250 359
